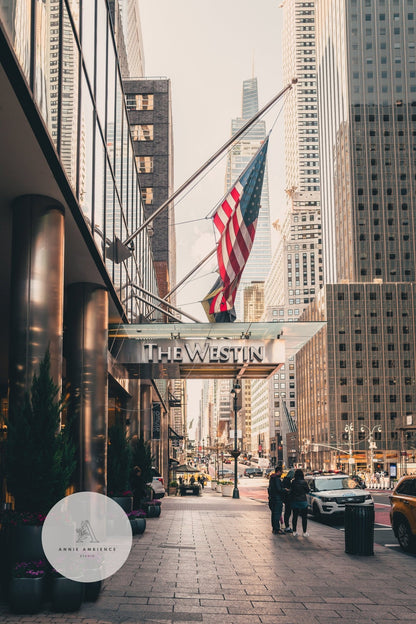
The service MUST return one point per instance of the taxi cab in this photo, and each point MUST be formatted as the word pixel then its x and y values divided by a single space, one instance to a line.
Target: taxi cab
pixel 403 512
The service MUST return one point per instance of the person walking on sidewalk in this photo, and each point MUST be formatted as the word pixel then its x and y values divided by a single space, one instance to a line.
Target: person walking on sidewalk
pixel 275 491
pixel 286 483
pixel 298 490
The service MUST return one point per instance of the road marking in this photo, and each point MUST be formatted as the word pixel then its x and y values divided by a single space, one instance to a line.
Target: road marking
pixel 392 545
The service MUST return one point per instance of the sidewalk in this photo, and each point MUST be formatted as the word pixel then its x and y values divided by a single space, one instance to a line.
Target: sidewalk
pixel 214 560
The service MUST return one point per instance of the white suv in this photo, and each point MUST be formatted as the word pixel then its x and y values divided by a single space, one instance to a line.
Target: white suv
pixel 157 484
pixel 329 493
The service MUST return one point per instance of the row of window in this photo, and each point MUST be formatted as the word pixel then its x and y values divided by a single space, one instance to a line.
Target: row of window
pixel 375 381
pixel 359 346
pixel 377 398
pixel 341 296
pixel 376 364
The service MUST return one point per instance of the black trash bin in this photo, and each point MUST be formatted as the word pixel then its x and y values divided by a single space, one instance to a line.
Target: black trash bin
pixel 359 529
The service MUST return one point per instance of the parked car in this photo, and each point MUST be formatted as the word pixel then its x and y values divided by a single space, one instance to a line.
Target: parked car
pixel 157 484
pixel 329 493
pixel 253 472
pixel 225 473
pixel 403 513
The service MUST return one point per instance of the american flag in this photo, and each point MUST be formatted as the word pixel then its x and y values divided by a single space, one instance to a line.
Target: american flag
pixel 236 221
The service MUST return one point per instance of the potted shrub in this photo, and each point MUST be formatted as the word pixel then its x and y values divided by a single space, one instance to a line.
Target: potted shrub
pixel 40 462
pixel 213 485
pixel 118 467
pixel 173 488
pixel 141 473
pixel 27 586
pixel 227 488
pixel 137 521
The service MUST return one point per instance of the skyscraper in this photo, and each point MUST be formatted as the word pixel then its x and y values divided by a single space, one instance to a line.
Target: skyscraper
pixel 240 155
pixel 296 273
pixel 363 363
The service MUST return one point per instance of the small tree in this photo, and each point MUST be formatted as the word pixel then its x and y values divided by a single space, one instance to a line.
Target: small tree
pixel 39 458
pixel 141 456
pixel 118 460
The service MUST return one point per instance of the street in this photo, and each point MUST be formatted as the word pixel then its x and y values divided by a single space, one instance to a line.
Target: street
pixel 256 490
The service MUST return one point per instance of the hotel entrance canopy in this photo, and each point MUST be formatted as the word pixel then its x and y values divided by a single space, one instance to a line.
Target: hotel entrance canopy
pixel 207 350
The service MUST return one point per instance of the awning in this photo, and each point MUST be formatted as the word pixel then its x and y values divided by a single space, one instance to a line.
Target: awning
pixel 208 350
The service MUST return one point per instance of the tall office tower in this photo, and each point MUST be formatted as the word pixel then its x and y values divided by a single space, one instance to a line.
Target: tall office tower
pixel 367 99
pixel 150 117
pixel 131 24
pixel 296 269
pixel 240 155
pixel 253 311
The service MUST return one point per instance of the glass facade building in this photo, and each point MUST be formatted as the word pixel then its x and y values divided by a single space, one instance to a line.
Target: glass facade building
pixel 69 197
pixel 75 82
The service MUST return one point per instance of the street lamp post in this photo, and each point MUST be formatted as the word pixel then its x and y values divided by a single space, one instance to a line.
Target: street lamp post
pixel 349 429
pixel 235 453
pixel 371 443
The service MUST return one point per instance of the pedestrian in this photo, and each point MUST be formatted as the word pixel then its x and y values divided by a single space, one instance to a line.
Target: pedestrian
pixel 286 483
pixel 298 490
pixel 275 491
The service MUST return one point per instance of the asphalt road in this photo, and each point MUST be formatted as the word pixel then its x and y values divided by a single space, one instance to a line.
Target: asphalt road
pixel 256 489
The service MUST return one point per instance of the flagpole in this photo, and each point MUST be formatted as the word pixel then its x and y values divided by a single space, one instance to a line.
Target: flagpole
pixel 209 161
pixel 160 300
pixel 207 257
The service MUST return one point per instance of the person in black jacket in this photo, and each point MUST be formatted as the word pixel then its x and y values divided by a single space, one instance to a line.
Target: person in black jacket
pixel 286 483
pixel 298 490
pixel 276 493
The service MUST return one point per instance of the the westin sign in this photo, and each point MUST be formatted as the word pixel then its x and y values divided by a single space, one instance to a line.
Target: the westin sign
pixel 195 352
pixel 199 358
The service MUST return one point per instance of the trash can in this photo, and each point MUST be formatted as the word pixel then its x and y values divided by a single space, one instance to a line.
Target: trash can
pixel 359 529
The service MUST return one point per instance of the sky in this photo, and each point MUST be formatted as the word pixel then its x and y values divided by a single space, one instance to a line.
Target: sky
pixel 208 49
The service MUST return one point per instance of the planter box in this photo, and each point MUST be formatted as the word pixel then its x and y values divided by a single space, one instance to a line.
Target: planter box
pixel 227 490
pixel 26 544
pixel 213 486
pixel 138 525
pixel 172 491
pixel 125 502
pixel 219 488
pixel 67 595
pixel 92 591
pixel 26 594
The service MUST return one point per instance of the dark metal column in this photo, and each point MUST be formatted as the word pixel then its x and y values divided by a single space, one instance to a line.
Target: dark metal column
pixel 86 321
pixel 37 282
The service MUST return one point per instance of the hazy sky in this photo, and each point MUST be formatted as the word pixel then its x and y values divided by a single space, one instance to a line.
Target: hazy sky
pixel 207 49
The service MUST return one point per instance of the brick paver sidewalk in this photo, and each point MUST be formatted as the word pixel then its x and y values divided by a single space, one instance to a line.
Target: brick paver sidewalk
pixel 214 560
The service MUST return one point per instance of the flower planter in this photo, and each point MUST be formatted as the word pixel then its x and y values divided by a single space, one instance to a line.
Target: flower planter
pixel 26 544
pixel 153 511
pixel 138 525
pixel 26 594
pixel 219 488
pixel 125 502
pixel 67 594
pixel 172 491
pixel 227 490
pixel 213 486
pixel 92 591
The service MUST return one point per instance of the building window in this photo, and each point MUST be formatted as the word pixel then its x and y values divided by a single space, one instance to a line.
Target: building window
pixel 142 132
pixel 147 195
pixel 138 101
pixel 144 164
